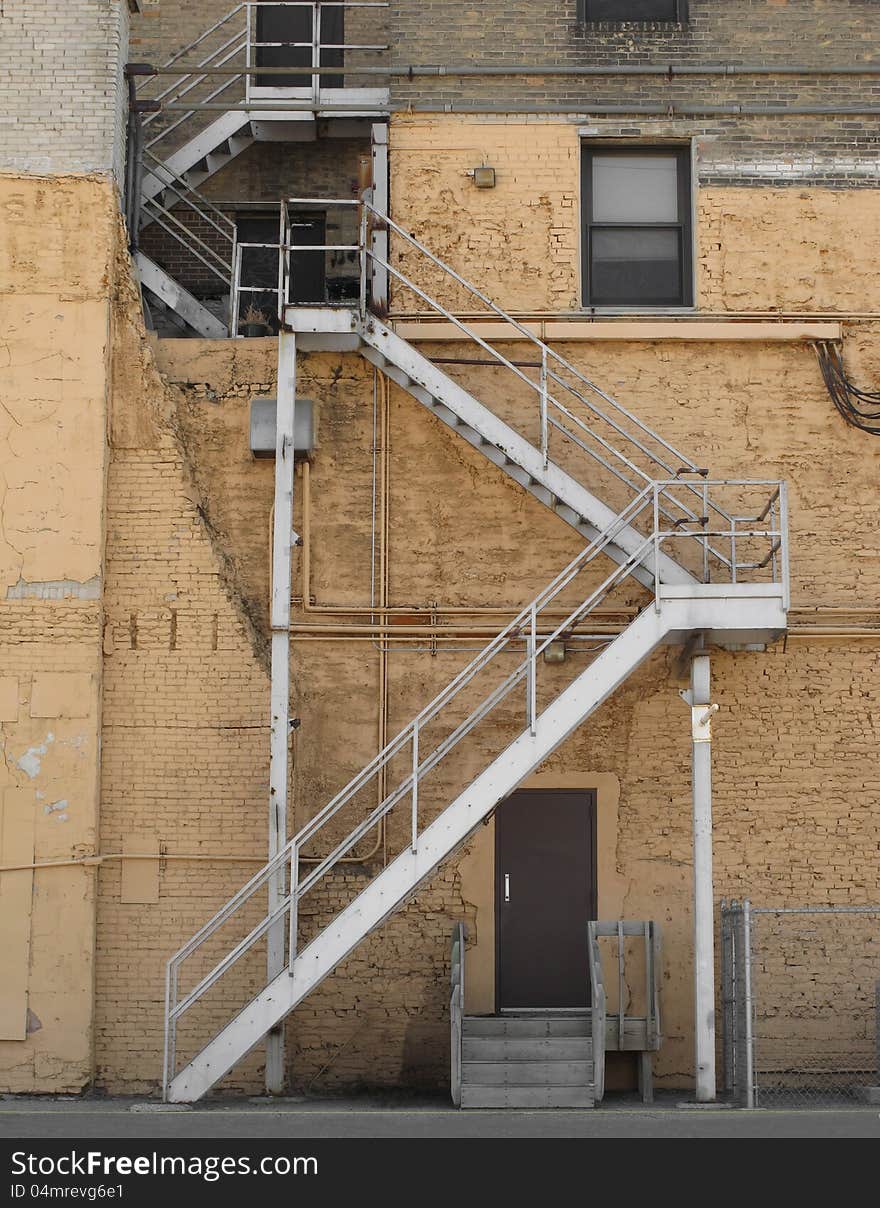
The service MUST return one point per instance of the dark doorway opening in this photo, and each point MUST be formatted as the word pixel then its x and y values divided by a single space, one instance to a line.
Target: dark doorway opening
pixel 284 25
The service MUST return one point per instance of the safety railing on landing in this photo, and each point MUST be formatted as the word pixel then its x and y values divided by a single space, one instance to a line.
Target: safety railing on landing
pixel 531 633
pixel 232 48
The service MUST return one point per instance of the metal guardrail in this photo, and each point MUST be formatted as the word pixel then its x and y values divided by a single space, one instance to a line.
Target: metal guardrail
pixel 234 37
pixel 572 409
pixel 598 1008
pixel 530 634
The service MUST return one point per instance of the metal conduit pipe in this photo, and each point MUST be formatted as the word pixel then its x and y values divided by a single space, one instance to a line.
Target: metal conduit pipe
pixel 419 71
pixel 517 107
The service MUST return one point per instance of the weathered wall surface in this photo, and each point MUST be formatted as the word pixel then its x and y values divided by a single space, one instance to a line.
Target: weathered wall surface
pixel 755 250
pixel 55 317
pixel 795 791
pixel 62 91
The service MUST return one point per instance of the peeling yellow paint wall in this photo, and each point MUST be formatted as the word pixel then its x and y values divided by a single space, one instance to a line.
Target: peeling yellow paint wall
pixel 145 621
pixel 57 246
pixel 756 249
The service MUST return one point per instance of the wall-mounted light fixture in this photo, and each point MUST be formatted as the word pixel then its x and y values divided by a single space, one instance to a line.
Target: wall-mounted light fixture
pixel 484 177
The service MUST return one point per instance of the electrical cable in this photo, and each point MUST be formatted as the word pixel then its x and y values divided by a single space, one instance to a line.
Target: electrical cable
pixel 860 408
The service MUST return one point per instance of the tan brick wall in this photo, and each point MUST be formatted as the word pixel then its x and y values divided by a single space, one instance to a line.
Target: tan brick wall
pixel 795 793
pixel 185 690
pixel 755 249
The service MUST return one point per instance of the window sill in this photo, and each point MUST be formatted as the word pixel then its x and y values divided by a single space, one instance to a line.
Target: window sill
pixel 643 27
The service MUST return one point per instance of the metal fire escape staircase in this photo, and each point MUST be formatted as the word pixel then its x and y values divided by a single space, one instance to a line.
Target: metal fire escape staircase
pixel 715 557
pixel 171 172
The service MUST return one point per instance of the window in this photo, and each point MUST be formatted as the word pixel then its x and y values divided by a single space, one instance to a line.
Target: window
pixel 633 10
pixel 278 27
pixel 637 218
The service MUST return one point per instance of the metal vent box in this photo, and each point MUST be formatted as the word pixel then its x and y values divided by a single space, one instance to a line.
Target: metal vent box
pixel 263 420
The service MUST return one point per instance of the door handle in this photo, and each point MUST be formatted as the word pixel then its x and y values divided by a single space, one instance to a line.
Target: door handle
pixel 507 887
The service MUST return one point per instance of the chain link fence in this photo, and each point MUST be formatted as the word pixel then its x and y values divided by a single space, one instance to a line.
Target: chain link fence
pixel 801 1003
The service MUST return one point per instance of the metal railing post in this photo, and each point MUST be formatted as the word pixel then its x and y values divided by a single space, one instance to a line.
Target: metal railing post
pixel 316 53
pixel 531 673
pixel 362 254
pixel 248 52
pixel 294 906
pixel 545 437
pixel 656 523
pixel 167 1066
pixel 415 787
pixel 236 291
pixel 748 1032
pixel 783 529
pixel 706 534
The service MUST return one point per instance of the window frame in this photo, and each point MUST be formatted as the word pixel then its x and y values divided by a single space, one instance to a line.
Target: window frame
pixel 585 18
pixel 685 224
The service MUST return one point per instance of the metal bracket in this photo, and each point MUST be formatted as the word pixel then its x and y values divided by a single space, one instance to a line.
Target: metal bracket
pixel 701 722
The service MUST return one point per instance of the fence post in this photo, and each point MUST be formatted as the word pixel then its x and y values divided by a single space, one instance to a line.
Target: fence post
pixel 727 1005
pixel 747 1004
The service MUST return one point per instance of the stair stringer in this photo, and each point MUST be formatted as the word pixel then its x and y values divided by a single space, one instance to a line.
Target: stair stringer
pixel 402 878
pixel 562 487
pixel 225 128
pixel 178 299
pixel 474 422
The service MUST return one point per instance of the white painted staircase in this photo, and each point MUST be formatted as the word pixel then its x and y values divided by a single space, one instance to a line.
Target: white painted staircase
pixel 715 557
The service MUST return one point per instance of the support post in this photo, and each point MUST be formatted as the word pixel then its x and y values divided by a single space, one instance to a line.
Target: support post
pixel 282 541
pixel 379 234
pixel 704 921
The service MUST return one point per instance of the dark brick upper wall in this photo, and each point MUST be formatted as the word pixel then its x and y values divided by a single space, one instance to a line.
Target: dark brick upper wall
pixel 814 32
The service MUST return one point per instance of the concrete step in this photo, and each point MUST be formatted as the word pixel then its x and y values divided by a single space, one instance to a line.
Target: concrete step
pixel 527 1096
pixel 526 1048
pixel 527 1073
pixel 543 1025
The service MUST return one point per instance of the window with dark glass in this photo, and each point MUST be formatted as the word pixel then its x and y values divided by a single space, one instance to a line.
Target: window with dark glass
pixel 284 37
pixel 637 218
pixel 633 10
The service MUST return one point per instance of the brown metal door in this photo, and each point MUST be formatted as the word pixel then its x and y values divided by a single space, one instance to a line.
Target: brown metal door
pixel 545 895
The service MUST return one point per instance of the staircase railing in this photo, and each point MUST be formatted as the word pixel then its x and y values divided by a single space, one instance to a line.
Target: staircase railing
pixel 585 419
pixel 533 631
pixel 233 42
pixel 598 1008
pixel 186 198
pixel 456 1008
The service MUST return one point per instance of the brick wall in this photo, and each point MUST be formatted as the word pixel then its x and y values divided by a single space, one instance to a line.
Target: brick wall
pixel 795 795
pixel 62 96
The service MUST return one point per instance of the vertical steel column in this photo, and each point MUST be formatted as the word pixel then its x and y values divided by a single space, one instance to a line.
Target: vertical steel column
pixel 379 232
pixel 704 925
pixel 282 542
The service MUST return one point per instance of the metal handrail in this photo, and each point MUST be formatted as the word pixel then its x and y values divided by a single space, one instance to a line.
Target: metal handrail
pixel 243 41
pixel 665 460
pixel 456 1008
pixel 598 1009
pixel 522 631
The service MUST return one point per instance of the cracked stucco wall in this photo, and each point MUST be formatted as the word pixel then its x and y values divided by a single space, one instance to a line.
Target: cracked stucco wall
pixel 57 243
